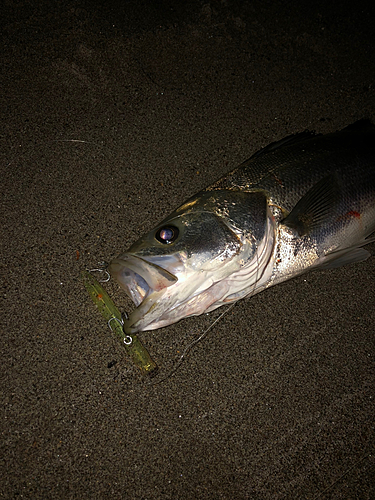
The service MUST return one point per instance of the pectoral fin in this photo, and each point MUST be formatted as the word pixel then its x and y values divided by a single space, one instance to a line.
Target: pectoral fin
pixel 315 207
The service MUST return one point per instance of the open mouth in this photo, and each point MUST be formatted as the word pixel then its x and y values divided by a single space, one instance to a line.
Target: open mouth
pixel 139 277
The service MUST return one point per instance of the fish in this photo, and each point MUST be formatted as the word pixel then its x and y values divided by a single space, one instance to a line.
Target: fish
pixel 302 203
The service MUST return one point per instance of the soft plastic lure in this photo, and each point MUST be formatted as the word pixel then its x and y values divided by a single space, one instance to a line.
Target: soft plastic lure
pixel 112 315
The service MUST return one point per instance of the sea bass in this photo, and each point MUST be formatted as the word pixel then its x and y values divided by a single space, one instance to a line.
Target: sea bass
pixel 302 203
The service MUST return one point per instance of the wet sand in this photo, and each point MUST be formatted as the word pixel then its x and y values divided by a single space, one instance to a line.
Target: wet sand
pixel 113 114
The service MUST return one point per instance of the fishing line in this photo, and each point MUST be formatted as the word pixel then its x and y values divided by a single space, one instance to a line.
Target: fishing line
pixel 257 257
pixel 204 334
pixel 191 345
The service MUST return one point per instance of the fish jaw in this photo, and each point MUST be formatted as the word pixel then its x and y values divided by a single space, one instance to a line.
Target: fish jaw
pixel 162 298
pixel 159 295
pixel 164 308
pixel 144 282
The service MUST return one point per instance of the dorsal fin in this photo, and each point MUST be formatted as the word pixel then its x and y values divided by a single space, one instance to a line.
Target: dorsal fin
pixel 360 125
pixel 287 141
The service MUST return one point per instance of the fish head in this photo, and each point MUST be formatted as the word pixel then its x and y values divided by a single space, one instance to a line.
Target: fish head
pixel 183 267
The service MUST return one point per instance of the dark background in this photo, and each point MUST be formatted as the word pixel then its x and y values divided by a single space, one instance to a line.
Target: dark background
pixel 113 113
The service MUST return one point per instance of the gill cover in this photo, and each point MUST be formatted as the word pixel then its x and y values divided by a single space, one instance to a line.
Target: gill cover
pixel 180 268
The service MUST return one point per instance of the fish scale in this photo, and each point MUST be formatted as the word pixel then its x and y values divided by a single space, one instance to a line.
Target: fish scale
pixel 305 202
pixel 288 173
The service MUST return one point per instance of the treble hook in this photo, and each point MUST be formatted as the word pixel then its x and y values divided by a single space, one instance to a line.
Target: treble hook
pixel 101 269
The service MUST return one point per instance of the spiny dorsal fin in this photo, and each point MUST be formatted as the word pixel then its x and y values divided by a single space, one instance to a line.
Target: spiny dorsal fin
pixel 360 125
pixel 287 141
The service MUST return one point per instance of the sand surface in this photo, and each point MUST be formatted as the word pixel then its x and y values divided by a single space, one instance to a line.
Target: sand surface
pixel 113 113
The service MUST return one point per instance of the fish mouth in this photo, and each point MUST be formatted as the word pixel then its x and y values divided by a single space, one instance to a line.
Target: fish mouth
pixel 140 277
pixel 143 281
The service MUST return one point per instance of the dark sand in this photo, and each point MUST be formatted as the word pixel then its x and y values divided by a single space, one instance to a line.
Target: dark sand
pixel 113 113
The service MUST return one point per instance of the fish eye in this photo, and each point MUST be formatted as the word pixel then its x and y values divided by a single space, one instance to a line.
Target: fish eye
pixel 167 234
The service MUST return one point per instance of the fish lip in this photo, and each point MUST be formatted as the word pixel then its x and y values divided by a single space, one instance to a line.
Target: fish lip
pixel 140 278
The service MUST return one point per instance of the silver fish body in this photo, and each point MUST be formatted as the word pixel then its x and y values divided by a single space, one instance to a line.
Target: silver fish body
pixel 302 203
